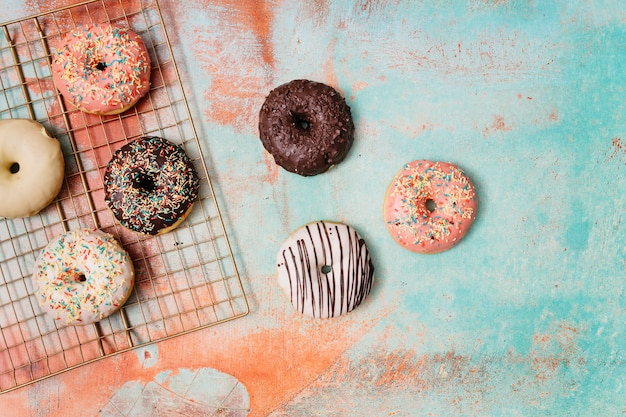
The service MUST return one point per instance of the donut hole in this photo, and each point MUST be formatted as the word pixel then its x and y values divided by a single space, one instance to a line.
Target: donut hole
pixel 326 269
pixel 145 183
pixel 300 121
pixel 101 66
pixel 430 205
pixel 14 168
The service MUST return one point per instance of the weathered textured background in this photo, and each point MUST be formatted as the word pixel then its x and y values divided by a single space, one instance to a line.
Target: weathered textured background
pixel 525 317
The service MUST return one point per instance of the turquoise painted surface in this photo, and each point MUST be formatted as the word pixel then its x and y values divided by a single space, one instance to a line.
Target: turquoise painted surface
pixel 526 316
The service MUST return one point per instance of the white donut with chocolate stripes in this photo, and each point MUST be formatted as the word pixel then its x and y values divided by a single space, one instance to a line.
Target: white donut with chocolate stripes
pixel 325 269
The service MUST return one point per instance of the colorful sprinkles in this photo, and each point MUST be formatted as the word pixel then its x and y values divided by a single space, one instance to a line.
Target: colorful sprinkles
pixel 150 185
pixel 429 206
pixel 101 68
pixel 83 277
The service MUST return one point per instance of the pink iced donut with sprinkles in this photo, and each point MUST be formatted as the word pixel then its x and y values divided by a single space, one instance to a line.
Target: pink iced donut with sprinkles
pixel 101 68
pixel 429 206
pixel 83 277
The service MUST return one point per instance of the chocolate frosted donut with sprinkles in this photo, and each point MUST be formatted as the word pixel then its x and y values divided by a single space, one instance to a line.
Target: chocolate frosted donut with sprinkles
pixel 82 277
pixel 429 206
pixel 325 269
pixel 150 185
pixel 101 68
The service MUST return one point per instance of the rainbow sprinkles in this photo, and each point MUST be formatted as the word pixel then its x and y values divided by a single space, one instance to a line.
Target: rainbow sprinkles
pixel 101 69
pixel 83 277
pixel 429 206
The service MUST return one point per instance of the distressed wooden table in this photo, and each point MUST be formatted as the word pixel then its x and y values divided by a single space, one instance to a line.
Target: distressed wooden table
pixel 525 317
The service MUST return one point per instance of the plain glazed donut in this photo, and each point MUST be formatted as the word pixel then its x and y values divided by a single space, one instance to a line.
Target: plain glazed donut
pixel 325 269
pixel 31 168
pixel 101 68
pixel 82 277
pixel 150 185
pixel 429 206
pixel 306 126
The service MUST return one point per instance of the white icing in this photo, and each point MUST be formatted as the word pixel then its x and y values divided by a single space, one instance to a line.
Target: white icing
pixel 41 168
pixel 325 269
pixel 83 277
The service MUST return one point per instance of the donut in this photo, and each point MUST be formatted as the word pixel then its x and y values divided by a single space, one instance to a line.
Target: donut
pixel 429 206
pixel 101 68
pixel 306 126
pixel 31 168
pixel 150 185
pixel 325 269
pixel 82 277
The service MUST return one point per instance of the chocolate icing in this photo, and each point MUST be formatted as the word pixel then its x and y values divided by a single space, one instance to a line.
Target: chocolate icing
pixel 306 126
pixel 149 184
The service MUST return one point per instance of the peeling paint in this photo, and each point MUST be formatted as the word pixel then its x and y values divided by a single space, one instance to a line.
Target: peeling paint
pixel 203 392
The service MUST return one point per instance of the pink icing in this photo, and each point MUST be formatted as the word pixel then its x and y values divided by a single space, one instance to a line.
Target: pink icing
pixel 102 69
pixel 429 206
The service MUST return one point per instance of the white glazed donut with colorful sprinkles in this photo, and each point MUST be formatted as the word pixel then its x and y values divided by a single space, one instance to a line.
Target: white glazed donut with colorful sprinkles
pixel 429 206
pixel 101 68
pixel 83 277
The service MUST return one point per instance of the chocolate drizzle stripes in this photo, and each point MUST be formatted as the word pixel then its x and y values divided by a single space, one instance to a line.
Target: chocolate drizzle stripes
pixel 366 267
pixel 306 274
pixel 325 252
pixel 332 290
pixel 291 286
pixel 342 276
pixel 336 292
pixel 309 271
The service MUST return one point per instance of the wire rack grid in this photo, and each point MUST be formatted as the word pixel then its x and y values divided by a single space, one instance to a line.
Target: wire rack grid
pixel 185 280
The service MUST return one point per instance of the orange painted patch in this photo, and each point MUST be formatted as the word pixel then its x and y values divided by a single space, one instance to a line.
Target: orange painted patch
pixel 330 76
pixel 553 116
pixel 256 16
pixel 618 146
pixel 272 168
pixel 238 63
pixel 618 150
pixel 38 86
pixel 552 349
pixel 275 364
pixel 358 86
pixel 411 129
pixel 498 124
pixel 459 378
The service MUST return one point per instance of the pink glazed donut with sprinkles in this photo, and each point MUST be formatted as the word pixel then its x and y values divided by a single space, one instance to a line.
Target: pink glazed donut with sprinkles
pixel 83 277
pixel 429 206
pixel 102 69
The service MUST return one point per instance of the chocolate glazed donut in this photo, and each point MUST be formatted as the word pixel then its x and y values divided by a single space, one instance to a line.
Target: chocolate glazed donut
pixel 306 126
pixel 150 185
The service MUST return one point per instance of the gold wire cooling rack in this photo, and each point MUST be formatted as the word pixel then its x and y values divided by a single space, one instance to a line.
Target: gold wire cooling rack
pixel 185 280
